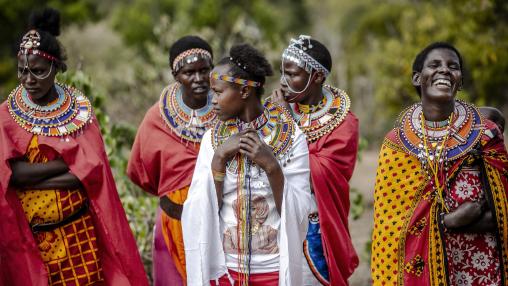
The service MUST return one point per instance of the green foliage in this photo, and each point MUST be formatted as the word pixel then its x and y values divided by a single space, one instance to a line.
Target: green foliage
pixel 139 207
pixel 381 44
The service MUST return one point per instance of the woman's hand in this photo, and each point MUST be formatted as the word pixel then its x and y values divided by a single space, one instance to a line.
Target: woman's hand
pixel 261 154
pixel 277 96
pixel 26 174
pixel 466 214
pixel 257 151
pixel 226 151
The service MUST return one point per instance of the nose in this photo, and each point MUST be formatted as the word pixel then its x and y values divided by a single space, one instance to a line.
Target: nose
pixel 30 78
pixel 199 76
pixel 214 99
pixel 283 81
pixel 443 69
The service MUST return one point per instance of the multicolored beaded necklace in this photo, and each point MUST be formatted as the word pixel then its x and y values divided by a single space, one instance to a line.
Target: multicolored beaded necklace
pixel 188 124
pixel 276 128
pixel 463 131
pixel 437 144
pixel 319 120
pixel 67 115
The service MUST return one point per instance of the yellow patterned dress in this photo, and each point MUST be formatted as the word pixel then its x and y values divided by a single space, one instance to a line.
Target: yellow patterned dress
pixel 410 245
pixel 70 252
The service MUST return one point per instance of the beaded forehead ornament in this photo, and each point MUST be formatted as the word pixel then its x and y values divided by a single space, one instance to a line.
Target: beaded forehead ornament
pixel 30 44
pixel 239 81
pixel 296 52
pixel 190 56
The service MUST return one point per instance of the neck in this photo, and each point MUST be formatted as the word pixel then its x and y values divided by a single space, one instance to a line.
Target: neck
pixel 48 98
pixel 253 109
pixel 315 95
pixel 193 101
pixel 437 111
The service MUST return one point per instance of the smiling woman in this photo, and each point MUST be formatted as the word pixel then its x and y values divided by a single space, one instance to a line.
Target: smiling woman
pixel 441 196
pixel 64 223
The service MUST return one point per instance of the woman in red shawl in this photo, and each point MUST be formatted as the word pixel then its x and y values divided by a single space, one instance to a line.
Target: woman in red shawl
pixel 62 220
pixel 322 112
pixel 166 148
pixel 441 189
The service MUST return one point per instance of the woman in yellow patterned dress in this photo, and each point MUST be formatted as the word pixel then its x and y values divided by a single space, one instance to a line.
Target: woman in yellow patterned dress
pixel 62 220
pixel 441 188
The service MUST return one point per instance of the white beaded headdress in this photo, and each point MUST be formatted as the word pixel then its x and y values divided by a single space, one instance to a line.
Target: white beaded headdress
pixel 296 52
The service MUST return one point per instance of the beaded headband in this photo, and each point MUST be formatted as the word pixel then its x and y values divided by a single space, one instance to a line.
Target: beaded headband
pixel 190 56
pixel 296 52
pixel 29 46
pixel 243 82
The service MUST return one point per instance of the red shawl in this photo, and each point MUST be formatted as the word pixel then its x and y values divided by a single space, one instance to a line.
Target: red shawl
pixel 160 160
pixel 332 160
pixel 20 261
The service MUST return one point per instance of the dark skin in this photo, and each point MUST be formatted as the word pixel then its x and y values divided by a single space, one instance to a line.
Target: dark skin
pixel 194 78
pixel 55 173
pixel 439 81
pixel 297 79
pixel 234 101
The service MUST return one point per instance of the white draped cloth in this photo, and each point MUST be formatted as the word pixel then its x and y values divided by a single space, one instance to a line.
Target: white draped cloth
pixel 204 254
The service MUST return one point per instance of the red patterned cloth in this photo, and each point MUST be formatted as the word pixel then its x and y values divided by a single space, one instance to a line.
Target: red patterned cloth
pixel 258 279
pixel 473 259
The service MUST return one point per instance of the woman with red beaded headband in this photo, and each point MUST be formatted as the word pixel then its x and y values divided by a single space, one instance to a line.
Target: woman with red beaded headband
pixel 245 218
pixel 165 150
pixel 323 114
pixel 441 194
pixel 63 222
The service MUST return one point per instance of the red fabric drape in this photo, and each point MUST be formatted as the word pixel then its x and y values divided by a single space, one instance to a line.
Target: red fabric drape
pixel 160 161
pixel 332 160
pixel 20 261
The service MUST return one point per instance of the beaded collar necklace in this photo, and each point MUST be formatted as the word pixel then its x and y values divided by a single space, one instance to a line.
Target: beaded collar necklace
pixel 274 126
pixel 459 136
pixel 324 117
pixel 67 115
pixel 187 123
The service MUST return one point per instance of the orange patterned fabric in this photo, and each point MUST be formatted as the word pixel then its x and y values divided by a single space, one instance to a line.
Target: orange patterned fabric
pixel 70 253
pixel 172 232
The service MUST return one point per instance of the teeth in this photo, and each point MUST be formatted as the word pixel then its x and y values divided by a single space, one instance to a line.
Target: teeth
pixel 443 82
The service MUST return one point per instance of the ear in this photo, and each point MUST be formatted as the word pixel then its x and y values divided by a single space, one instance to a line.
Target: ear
pixel 416 79
pixel 245 91
pixel 319 78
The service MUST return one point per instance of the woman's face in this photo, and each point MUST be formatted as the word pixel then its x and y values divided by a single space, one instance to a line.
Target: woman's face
pixel 37 75
pixel 227 98
pixel 441 75
pixel 194 78
pixel 296 78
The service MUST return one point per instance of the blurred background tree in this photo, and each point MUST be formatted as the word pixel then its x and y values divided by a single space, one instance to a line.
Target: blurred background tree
pixel 118 54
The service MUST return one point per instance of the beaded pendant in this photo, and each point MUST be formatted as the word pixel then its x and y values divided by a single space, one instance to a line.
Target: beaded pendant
pixel 463 133
pixel 186 123
pixel 274 126
pixel 322 121
pixel 69 114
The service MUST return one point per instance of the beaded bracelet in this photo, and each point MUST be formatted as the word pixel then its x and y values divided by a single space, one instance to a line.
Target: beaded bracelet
pixel 218 175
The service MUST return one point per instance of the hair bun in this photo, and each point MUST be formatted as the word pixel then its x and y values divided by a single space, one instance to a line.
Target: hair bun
pixel 251 60
pixel 47 20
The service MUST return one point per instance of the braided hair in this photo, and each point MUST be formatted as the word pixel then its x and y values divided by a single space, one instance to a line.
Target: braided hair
pixel 248 63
